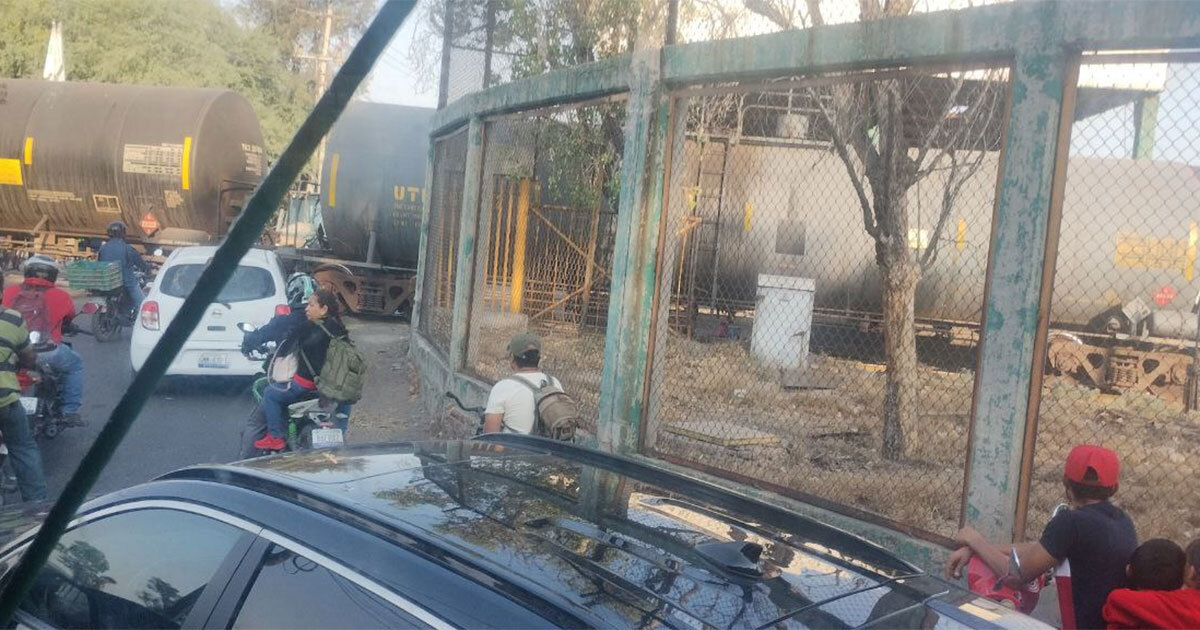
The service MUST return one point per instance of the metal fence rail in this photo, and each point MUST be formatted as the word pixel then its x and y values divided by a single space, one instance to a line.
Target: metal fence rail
pixel 445 203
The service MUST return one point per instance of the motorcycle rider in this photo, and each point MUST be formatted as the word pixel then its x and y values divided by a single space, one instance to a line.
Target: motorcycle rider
pixel 311 341
pixel 299 287
pixel 281 329
pixel 118 251
pixel 15 352
pixel 49 311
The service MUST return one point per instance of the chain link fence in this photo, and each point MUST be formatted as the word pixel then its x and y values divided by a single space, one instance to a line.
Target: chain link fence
pixel 1123 329
pixel 547 216
pixel 821 287
pixel 445 205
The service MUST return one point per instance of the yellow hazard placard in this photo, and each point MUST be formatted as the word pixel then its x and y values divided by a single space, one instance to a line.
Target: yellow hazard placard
pixel 10 172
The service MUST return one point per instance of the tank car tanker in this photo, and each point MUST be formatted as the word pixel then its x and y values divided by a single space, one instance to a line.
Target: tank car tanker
pixel 175 164
pixel 372 191
pixel 1126 281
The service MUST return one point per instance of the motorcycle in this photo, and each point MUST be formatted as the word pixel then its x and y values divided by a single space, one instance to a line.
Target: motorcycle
pixel 42 391
pixel 309 422
pixel 113 310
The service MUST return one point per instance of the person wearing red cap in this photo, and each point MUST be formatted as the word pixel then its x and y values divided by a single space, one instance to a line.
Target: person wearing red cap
pixel 1095 536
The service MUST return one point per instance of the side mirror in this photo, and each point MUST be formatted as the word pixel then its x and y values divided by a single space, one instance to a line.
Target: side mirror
pixel 90 308
pixel 246 327
pixel 35 338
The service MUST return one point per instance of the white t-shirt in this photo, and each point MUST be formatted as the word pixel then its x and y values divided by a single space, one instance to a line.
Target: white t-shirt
pixel 516 401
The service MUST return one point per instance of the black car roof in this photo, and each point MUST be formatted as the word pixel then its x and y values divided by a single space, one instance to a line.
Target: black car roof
pixel 618 542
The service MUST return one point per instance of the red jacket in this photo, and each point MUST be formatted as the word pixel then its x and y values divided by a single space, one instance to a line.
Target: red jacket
pixel 1128 608
pixel 59 306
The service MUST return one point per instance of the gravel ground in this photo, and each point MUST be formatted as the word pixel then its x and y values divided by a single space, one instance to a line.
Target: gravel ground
pixel 389 410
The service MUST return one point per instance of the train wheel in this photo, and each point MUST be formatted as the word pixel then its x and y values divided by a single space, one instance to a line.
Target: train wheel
pixel 106 326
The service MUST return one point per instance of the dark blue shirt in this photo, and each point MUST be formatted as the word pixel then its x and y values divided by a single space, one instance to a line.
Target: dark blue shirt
pixel 1098 540
pixel 118 251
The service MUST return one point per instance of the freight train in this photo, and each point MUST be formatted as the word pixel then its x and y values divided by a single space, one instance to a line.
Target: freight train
pixel 1125 292
pixel 372 192
pixel 175 164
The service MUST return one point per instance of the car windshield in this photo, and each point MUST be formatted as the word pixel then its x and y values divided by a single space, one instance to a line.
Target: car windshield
pixel 247 283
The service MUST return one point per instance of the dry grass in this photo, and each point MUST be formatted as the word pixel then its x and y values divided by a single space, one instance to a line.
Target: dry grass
pixel 830 438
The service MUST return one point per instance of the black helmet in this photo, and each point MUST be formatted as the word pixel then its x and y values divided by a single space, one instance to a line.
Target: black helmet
pixel 116 229
pixel 41 266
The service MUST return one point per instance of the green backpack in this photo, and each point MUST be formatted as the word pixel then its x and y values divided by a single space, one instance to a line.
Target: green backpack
pixel 341 377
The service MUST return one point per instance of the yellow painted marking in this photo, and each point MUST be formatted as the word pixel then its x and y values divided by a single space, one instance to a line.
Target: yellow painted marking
pixel 1148 252
pixel 960 241
pixel 185 164
pixel 28 150
pixel 10 172
pixel 747 214
pixel 518 273
pixel 333 166
pixel 982 613
pixel 1193 238
pixel 693 196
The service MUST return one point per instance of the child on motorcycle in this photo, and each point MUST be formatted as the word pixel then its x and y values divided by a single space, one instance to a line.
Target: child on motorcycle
pixel 311 340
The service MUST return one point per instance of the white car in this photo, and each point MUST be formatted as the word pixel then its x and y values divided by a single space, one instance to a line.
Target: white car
pixel 254 294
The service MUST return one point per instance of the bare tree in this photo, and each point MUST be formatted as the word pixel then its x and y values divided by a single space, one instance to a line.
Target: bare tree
pixel 891 133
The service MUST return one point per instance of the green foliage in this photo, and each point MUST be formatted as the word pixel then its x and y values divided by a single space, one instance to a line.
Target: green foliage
pixel 151 42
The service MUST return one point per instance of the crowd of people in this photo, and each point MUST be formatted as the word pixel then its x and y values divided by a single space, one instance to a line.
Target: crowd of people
pixel 1114 582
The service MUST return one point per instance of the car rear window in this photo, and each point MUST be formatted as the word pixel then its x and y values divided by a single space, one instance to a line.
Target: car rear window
pixel 247 283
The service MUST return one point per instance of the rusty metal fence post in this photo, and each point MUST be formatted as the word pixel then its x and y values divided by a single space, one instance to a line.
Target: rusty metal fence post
pixel 626 348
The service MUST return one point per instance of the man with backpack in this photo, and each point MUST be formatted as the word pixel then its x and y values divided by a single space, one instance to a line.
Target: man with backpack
pixel 49 311
pixel 530 401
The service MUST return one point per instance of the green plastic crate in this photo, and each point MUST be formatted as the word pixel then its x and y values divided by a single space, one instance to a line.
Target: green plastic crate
pixel 92 275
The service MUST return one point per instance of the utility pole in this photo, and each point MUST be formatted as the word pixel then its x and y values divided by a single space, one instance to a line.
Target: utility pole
pixel 447 40
pixel 322 77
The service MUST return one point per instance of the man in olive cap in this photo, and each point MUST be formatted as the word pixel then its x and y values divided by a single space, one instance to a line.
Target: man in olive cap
pixel 511 406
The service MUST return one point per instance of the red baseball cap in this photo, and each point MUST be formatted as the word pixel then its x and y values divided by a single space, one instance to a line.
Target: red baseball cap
pixel 1102 460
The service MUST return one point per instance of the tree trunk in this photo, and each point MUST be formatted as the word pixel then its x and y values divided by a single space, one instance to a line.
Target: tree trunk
pixel 900 273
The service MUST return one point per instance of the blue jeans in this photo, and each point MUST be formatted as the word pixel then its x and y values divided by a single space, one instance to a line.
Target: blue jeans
pixel 23 451
pixel 134 290
pixel 277 397
pixel 66 363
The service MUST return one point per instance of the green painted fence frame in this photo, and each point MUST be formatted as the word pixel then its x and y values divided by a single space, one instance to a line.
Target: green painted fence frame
pixel 1042 43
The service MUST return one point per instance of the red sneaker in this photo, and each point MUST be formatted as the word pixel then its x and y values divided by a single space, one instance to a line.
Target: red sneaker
pixel 270 443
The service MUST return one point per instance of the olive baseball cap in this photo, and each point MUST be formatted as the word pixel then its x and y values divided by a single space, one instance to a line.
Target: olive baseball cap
pixel 524 342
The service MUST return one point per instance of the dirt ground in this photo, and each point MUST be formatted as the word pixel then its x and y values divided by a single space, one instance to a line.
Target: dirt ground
pixel 828 431
pixel 389 410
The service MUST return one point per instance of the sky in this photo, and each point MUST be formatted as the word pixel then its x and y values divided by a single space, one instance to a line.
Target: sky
pixel 395 78
pixel 398 79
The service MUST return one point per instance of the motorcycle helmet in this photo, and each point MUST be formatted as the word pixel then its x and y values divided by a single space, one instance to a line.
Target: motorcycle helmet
pixel 116 229
pixel 41 266
pixel 300 286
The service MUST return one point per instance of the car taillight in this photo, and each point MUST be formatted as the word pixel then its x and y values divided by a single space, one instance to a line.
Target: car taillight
pixel 282 309
pixel 150 315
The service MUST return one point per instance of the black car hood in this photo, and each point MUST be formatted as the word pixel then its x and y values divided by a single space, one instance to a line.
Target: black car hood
pixel 626 543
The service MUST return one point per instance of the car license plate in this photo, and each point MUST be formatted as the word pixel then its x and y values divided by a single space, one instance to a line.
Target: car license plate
pixel 325 438
pixel 218 361
pixel 29 403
